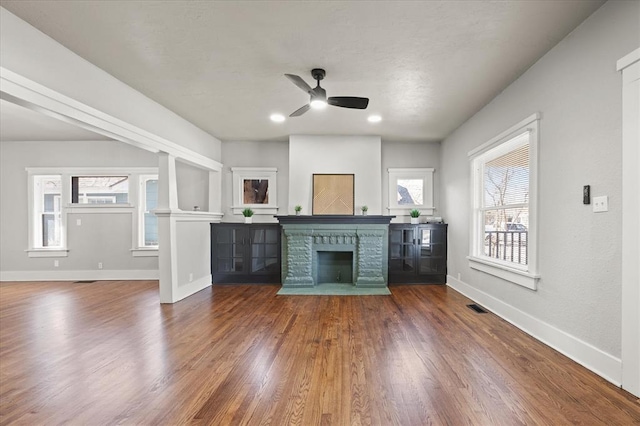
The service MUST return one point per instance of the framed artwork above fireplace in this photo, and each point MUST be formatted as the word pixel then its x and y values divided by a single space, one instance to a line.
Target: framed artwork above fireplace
pixel 333 194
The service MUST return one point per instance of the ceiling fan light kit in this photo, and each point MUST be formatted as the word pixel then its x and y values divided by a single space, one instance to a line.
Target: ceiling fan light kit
pixel 318 96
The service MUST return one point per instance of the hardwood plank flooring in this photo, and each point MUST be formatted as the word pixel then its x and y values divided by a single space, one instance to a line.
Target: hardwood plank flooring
pixel 108 353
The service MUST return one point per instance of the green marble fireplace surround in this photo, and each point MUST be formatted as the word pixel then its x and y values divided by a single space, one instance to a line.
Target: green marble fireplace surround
pixel 351 249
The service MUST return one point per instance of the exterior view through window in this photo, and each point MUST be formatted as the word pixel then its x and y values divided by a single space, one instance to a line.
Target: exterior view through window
pixel 505 203
pixel 100 189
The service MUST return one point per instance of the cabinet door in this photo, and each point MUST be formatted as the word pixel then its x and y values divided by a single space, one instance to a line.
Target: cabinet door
pixel 432 253
pixel 229 250
pixel 402 254
pixel 264 256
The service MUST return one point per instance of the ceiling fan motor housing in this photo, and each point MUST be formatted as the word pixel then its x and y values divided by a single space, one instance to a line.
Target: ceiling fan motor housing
pixel 318 74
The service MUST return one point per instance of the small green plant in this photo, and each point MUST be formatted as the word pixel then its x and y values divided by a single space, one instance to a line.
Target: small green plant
pixel 414 213
pixel 298 208
pixel 365 208
pixel 247 212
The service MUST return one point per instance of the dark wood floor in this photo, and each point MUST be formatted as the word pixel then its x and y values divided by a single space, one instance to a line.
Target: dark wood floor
pixel 109 353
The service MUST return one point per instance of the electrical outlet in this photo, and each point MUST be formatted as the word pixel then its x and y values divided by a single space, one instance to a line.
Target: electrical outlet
pixel 99 265
pixel 78 222
pixel 459 277
pixel 601 204
pixel 191 277
pixel 56 263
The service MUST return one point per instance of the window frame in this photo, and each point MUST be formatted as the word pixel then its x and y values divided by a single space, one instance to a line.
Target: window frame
pixel 240 174
pixel 523 275
pixel 34 226
pixel 425 174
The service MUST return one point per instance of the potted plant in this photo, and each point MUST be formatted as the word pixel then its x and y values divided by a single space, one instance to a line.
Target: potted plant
pixel 415 214
pixel 298 209
pixel 364 210
pixel 247 213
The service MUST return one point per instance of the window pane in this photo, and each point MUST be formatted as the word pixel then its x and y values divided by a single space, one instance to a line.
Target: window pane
pixel 256 191
pixel 505 236
pixel 410 192
pixel 48 226
pixel 150 221
pixel 151 194
pixel 100 189
pixel 506 179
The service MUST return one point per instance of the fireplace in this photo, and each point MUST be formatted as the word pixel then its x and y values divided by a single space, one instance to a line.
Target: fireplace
pixel 334 249
pixel 333 267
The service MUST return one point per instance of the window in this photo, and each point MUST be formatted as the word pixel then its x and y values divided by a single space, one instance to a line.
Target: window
pixel 410 189
pixel 148 235
pixel 100 189
pixel 504 193
pixel 47 217
pixel 54 193
pixel 255 188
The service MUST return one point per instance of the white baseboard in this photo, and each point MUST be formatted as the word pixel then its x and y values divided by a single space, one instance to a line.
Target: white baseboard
pixel 193 287
pixel 81 275
pixel 585 354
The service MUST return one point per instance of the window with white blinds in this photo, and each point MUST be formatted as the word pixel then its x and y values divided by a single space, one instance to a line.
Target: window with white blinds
pixel 504 179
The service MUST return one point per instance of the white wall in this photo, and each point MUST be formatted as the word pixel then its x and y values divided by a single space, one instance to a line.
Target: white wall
pixel 360 155
pixel 105 238
pixel 411 154
pixel 193 187
pixel 577 90
pixel 193 257
pixel 255 154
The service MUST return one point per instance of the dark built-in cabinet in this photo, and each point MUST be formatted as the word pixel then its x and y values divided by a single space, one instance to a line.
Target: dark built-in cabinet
pixel 418 254
pixel 245 253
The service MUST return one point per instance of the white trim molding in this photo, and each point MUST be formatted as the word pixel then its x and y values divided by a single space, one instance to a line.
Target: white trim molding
pixel 187 289
pixel 513 275
pixel 80 275
pixel 425 174
pixel 46 252
pixel 144 252
pixel 240 174
pixel 630 70
pixel 603 364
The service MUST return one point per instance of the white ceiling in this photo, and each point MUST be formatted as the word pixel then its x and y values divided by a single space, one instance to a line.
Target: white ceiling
pixel 427 66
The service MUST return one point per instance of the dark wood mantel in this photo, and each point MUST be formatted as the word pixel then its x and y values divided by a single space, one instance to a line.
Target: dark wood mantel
pixel 334 219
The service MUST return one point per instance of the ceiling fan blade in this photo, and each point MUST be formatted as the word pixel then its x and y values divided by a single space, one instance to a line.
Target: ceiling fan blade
pixel 348 102
pixel 299 82
pixel 300 111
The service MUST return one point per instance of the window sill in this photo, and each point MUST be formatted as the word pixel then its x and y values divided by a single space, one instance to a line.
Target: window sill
pixel 145 252
pixel 522 278
pixel 404 211
pixel 257 209
pixel 57 252
pixel 99 208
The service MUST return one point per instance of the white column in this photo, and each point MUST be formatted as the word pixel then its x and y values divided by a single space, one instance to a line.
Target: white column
pixel 167 250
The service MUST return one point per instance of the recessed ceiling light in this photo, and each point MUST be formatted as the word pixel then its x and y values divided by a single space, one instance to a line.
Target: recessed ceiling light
pixel 374 119
pixel 278 118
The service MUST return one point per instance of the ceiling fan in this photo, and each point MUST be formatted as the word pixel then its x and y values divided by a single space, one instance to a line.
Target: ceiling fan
pixel 319 95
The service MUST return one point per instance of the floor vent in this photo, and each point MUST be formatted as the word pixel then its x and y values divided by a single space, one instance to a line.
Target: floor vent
pixel 479 309
pixel 84 282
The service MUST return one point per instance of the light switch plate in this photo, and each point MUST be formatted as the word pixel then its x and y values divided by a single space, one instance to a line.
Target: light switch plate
pixel 601 204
